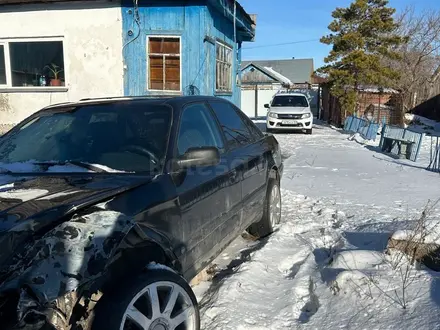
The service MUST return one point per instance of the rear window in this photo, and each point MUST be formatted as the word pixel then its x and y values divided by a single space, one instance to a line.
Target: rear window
pixel 290 101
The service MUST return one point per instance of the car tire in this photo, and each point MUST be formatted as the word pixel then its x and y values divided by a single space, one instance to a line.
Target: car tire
pixel 271 213
pixel 308 131
pixel 130 306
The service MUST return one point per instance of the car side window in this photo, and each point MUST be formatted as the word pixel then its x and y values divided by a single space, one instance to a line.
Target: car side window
pixel 198 128
pixel 255 131
pixel 234 128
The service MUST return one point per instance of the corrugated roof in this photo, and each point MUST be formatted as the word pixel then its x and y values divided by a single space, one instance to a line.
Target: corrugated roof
pixel 296 70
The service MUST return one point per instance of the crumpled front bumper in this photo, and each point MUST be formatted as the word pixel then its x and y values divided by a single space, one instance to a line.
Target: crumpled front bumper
pixel 22 311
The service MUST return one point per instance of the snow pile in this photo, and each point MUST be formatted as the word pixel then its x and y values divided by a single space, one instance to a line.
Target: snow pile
pixel 357 259
pixel 358 138
pixel 421 123
pixel 428 233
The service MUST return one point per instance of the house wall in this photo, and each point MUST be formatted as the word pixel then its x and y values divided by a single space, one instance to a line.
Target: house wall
pixel 92 52
pixel 192 23
pixel 253 75
pixel 262 95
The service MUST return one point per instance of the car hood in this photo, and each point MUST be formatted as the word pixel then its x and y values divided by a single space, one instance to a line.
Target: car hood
pixel 33 205
pixel 292 110
pixel 23 197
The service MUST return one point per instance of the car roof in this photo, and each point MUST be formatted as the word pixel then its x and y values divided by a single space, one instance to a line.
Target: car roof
pixel 290 94
pixel 175 102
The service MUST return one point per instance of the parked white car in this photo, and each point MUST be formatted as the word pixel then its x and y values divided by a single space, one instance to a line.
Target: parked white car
pixel 289 111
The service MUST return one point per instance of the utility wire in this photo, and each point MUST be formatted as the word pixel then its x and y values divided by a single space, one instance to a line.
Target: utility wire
pixel 282 44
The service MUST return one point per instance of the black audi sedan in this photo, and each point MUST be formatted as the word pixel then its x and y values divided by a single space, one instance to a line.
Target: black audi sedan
pixel 109 207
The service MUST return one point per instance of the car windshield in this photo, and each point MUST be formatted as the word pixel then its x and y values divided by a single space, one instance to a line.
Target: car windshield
pixel 290 101
pixel 123 137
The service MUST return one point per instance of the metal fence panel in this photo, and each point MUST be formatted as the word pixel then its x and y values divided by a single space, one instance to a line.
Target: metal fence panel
pixel 362 126
pixel 347 123
pixel 394 132
pixel 434 163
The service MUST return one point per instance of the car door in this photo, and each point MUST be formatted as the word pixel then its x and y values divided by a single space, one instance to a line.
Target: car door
pixel 202 192
pixel 247 156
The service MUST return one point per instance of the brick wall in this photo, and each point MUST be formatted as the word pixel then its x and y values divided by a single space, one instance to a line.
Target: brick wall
pixel 331 110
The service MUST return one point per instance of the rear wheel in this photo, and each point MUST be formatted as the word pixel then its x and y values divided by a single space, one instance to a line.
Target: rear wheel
pixel 271 214
pixel 157 300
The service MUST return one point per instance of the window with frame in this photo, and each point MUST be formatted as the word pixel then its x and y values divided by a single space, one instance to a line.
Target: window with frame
pixel 164 63
pixel 35 63
pixel 223 83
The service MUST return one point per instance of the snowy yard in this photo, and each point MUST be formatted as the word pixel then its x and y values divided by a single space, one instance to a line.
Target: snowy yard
pixel 325 266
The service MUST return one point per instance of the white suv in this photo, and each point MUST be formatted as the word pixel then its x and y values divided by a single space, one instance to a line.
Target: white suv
pixel 289 111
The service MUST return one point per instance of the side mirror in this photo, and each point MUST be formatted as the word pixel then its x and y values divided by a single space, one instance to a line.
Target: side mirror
pixel 267 106
pixel 196 157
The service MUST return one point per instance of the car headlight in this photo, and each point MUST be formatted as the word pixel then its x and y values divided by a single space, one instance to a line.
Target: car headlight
pixel 273 115
pixel 306 115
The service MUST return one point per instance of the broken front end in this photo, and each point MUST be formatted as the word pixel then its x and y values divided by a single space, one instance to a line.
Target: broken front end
pixel 44 277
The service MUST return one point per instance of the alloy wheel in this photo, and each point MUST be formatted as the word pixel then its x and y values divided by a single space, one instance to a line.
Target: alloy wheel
pixel 275 206
pixel 160 306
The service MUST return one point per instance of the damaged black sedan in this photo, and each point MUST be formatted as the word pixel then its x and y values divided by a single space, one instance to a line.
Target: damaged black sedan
pixel 108 207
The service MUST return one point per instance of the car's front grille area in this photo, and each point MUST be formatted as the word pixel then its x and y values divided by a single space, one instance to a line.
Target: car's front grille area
pixel 289 116
pixel 290 125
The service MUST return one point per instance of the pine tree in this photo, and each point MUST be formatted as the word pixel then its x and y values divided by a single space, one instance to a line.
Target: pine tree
pixel 362 36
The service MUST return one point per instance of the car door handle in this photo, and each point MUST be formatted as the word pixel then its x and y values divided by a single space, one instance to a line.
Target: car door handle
pixel 233 176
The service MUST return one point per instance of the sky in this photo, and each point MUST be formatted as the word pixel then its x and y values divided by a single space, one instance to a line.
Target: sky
pixel 305 22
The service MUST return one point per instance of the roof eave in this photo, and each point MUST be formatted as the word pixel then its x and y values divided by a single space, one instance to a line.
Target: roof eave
pixel 245 24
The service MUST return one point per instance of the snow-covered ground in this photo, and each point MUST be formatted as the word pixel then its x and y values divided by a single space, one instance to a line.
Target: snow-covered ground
pixel 325 266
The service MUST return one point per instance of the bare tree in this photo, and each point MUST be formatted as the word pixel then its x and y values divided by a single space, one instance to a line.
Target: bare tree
pixel 419 65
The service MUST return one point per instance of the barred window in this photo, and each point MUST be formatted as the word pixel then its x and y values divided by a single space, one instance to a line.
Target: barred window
pixel 164 63
pixel 223 68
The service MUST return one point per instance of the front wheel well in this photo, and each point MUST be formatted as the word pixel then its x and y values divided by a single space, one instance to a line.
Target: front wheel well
pixel 128 264
pixel 135 260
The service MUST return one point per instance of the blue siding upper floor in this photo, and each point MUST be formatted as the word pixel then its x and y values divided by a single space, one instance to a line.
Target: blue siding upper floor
pixel 193 24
